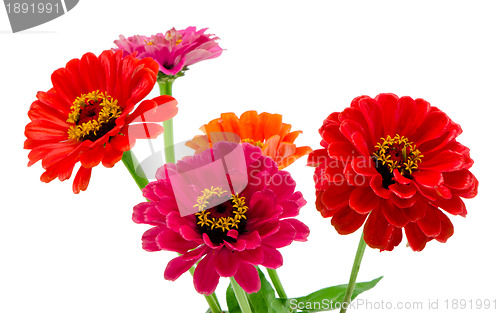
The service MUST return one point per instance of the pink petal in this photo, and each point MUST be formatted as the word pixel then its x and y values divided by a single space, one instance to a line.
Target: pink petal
pixel 226 262
pixel 253 256
pixel 205 276
pixel 252 240
pixel 144 130
pixel 272 258
pixel 301 229
pixel 176 267
pixel 283 237
pixel 248 278
pixel 172 241
pixel 149 239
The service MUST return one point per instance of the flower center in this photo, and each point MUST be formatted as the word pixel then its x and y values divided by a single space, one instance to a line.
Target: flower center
pixel 216 221
pixel 93 115
pixel 396 153
pixel 253 142
pixel 174 37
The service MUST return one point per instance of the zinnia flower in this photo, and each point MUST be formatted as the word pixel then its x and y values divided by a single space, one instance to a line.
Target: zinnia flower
pixel 174 50
pixel 232 231
pixel 391 164
pixel 88 116
pixel 263 130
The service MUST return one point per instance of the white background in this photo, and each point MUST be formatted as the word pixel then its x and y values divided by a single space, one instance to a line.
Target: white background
pixel 61 252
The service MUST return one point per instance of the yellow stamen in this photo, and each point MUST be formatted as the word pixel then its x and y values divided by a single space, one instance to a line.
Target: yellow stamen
pixel 109 110
pixel 253 142
pixel 223 223
pixel 409 157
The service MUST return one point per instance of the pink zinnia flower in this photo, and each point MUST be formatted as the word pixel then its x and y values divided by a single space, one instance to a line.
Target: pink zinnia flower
pixel 175 50
pixel 233 231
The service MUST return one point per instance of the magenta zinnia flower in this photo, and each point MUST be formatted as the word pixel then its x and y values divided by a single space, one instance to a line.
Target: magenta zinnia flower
pixel 232 232
pixel 175 50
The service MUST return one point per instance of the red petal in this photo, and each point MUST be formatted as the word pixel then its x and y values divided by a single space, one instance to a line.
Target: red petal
pixel 416 211
pixel 446 161
pixel 393 214
pixel 378 188
pixel 364 166
pixel 347 221
pixel 446 228
pixel 377 231
pixel 92 157
pixel 433 126
pixel 336 197
pixel 416 238
pixel 144 130
pixel 363 200
pixel 403 191
pixel 396 237
pixel 430 224
pixel 429 179
pixel 156 110
pixel 454 206
pixel 82 178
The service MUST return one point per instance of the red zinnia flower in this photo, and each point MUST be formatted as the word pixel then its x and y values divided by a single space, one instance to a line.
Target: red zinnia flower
pixel 234 227
pixel 394 163
pixel 87 116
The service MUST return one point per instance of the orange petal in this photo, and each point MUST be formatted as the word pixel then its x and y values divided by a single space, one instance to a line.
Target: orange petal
pixel 248 124
pixel 230 123
pixel 271 146
pixel 273 125
pixel 292 136
pixel 299 152
pixel 261 125
pixel 285 129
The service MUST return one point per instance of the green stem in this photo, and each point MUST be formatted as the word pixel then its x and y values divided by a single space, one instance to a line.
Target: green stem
pixel 241 296
pixel 213 303
pixel 168 139
pixel 354 274
pixel 212 300
pixel 273 274
pixel 134 168
pixel 168 126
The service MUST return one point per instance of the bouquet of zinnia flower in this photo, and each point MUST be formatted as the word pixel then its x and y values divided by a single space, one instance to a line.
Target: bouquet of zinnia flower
pixel 387 164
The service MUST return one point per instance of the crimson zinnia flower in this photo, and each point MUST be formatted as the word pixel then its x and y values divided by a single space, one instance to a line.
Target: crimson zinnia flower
pixel 174 50
pixel 230 232
pixel 88 116
pixel 392 163
pixel 264 130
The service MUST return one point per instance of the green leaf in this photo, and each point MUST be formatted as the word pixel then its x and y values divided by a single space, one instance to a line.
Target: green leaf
pixel 328 298
pixel 262 301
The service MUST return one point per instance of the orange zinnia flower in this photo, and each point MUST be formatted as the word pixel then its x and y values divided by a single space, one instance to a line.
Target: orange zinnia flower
pixel 263 130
